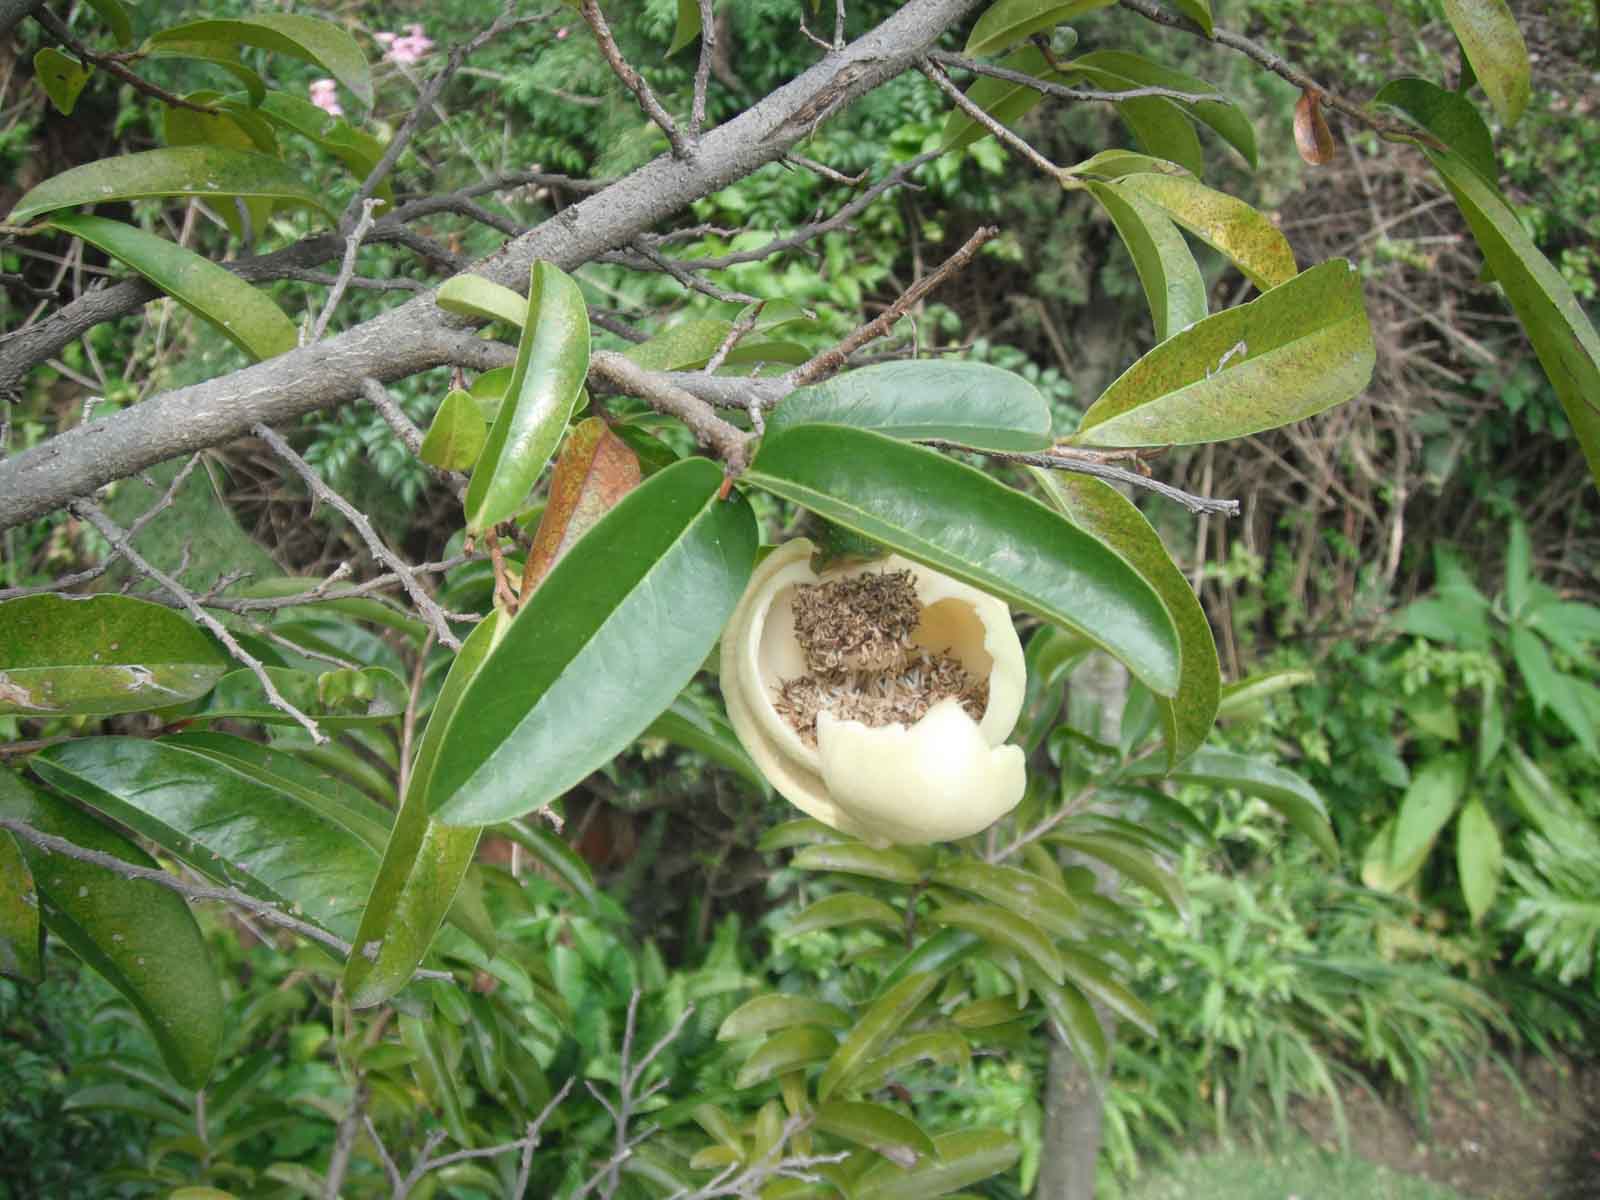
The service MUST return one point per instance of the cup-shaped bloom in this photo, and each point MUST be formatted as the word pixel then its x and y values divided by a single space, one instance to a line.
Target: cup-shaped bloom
pixel 877 696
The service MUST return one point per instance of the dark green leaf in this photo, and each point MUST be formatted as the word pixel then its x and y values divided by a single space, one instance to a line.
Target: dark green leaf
pixel 436 1073
pixel 552 362
pixel 63 78
pixel 1493 45
pixel 1007 22
pixel 1447 618
pixel 688 724
pixel 971 403
pixel 1133 861
pixel 115 14
pixel 1007 929
pixel 802 832
pixel 856 858
pixel 941 1047
pixel 21 936
pixel 1449 116
pixel 1479 859
pixel 792 1050
pixel 688 27
pixel 1167 271
pixel 141 937
pixel 241 313
pixel 1224 117
pixel 1198 11
pixel 881 1021
pixel 1295 351
pixel 1091 977
pixel 314 41
pixel 1022 892
pixel 935 955
pixel 964 1157
pixel 897 1138
pixel 1005 101
pixel 101 655
pixel 1244 695
pixel 360 152
pixel 218 55
pixel 1157 124
pixel 780 1010
pixel 1076 1024
pixel 616 630
pixel 457 434
pixel 843 908
pixel 208 172
pixel 959 521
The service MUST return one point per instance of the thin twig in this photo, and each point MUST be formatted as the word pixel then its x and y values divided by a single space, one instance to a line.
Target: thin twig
pixel 961 62
pixel 632 80
pixel 118 537
pixel 832 359
pixel 266 910
pixel 728 442
pixel 683 272
pixel 406 430
pixel 430 611
pixel 941 81
pixel 702 70
pixel 347 269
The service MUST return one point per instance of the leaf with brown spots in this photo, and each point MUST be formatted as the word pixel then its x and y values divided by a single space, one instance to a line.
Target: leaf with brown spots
pixel 595 470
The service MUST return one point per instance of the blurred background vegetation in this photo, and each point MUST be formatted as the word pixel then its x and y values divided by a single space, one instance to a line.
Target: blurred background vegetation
pixel 1426 555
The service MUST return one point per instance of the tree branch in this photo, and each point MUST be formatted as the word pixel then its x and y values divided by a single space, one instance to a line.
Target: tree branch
pixel 727 442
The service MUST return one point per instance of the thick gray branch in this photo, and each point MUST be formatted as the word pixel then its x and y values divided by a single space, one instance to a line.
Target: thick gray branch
pixel 417 335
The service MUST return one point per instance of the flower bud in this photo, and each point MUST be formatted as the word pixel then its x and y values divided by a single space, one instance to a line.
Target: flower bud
pixel 877 697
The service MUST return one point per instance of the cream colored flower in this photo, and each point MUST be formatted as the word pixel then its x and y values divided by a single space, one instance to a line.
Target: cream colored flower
pixel 877 697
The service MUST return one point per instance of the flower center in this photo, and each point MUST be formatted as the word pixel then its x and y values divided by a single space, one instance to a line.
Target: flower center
pixel 857 636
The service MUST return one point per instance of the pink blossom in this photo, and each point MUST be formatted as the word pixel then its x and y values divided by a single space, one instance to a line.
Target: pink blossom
pixel 325 97
pixel 405 49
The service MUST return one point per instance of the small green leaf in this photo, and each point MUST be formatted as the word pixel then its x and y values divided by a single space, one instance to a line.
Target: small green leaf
pixel 1449 116
pixel 882 1130
pixel 792 1050
pixel 1167 271
pixel 1198 11
pixel 115 14
pixel 780 1010
pixel 340 699
pixel 1007 22
pixel 475 296
pixel 1295 351
pixel 552 362
pixel 1008 929
pixel 685 346
pixel 1005 101
pixel 688 27
pixel 311 40
pixel 960 1159
pixel 241 313
pixel 1479 858
pixel 854 858
pixel 223 822
pixel 1436 791
pixel 21 936
pixel 1230 226
pixel 881 1021
pixel 141 937
pixel 100 655
pixel 600 649
pixel 457 434
pixel 1101 511
pixel 424 862
pixel 1493 45
pixel 843 908
pixel 208 172
pixel 62 78
pixel 1566 343
pixel 959 521
pixel 971 403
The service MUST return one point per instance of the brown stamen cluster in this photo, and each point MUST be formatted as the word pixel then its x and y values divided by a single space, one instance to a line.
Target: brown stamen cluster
pixel 856 637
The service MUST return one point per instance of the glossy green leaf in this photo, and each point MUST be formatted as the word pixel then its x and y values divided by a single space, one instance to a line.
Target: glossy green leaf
pixel 474 296
pixel 1022 892
pixel 1103 512
pixel 208 172
pixel 792 1050
pixel 246 316
pixel 1291 353
pixel 436 1074
pixel 424 862
pixel 1493 45
pixel 1246 694
pixel 1223 117
pixel 115 14
pixel 141 937
pixel 223 822
pixel 240 127
pixel 62 77
pixel 1230 226
pixel 1004 928
pixel 801 832
pixel 967 402
pixel 1005 101
pixel 1436 791
pixel 843 908
pixel 856 858
pixel 1007 22
pixel 1480 860
pixel 982 1014
pixel 552 362
pixel 780 1010
pixel 600 649
pixel 1133 861
pixel 311 40
pixel 688 27
pixel 1114 164
pixel 1095 980
pixel 1567 344
pixel 959 521
pixel 1449 116
pixel 960 1159
pixel 1198 11
pixel 1075 1023
pixel 934 955
pixel 874 1027
pixel 216 54
pixel 1167 271
pixel 682 347
pixel 942 1047
pixel 337 699
pixel 1295 799
pixel 457 434
pixel 897 1138
pixel 100 655
pixel 1157 124
pixel 688 724
pixel 21 935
